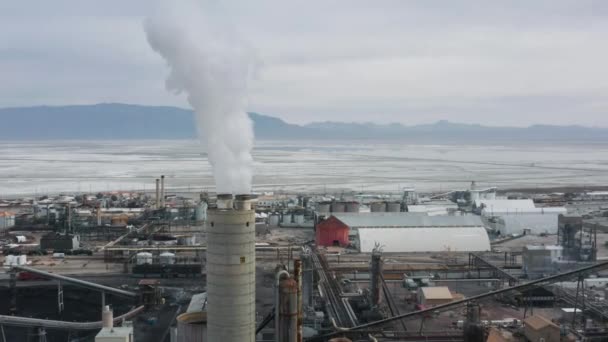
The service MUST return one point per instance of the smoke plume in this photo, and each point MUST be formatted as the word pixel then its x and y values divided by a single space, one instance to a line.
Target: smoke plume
pixel 212 67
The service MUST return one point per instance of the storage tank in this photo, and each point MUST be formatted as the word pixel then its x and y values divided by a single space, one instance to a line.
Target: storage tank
pixel 378 207
pixel 200 214
pixel 186 240
pixel 192 326
pixel 298 219
pixel 22 259
pixel 338 207
pixel 323 207
pixel 393 207
pixel 107 317
pixel 352 207
pixel 144 258
pixel 231 272
pixel 9 260
pixel 286 218
pixel 273 219
pixel 167 258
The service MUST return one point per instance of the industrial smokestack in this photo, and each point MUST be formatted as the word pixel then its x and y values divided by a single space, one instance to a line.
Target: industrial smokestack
pixel 288 311
pixel 162 191
pixel 376 275
pixel 231 270
pixel 157 202
pixel 98 215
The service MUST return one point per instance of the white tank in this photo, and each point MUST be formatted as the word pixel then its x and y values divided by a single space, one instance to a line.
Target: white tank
pixel 22 259
pixel 298 219
pixel 273 219
pixel 231 274
pixel 9 260
pixel 286 218
pixel 144 258
pixel 167 258
pixel 107 317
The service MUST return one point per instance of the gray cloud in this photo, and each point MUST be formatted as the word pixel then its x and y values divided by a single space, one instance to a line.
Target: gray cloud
pixel 514 63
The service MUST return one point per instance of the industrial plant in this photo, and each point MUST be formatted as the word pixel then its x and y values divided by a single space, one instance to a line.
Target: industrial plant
pixel 464 265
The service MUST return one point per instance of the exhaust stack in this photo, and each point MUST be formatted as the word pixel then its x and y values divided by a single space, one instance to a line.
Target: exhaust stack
pixel 231 270
pixel 162 191
pixel 157 203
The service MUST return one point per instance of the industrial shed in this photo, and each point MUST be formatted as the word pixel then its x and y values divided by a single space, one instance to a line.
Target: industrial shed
pixel 536 220
pixel 503 205
pixel 335 230
pixel 332 232
pixel 427 234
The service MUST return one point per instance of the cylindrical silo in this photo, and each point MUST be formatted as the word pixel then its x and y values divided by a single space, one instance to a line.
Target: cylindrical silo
pixel 393 207
pixel 338 207
pixel 298 218
pixel 273 219
pixel 231 272
pixel 378 207
pixel 352 207
pixel 323 207
pixel 286 218
pixel 144 258
pixel 192 326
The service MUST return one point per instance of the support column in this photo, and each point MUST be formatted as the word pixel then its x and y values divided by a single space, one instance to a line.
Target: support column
pixel 103 301
pixel 60 305
pixel 13 292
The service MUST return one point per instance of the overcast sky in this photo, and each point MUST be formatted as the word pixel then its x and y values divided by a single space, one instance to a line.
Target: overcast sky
pixel 495 63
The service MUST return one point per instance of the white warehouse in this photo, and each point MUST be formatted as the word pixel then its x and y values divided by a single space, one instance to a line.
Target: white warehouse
pixel 517 216
pixel 427 234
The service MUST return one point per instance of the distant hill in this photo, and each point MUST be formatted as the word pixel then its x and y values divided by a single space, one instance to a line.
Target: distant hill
pixel 124 121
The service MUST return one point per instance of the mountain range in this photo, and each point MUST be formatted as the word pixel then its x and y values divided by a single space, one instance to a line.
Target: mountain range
pixel 126 121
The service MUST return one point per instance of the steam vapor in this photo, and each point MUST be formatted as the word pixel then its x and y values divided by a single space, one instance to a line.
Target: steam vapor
pixel 212 67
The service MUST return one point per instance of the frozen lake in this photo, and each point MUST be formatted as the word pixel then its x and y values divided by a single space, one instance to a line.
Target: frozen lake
pixel 37 167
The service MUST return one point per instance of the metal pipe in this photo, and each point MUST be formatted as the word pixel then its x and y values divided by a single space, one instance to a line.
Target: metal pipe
pixel 79 282
pixel 52 324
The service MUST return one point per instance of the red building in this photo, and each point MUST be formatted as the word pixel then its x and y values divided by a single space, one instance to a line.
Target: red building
pixel 332 232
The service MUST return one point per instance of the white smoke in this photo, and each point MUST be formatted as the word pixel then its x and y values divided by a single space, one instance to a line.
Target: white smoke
pixel 212 67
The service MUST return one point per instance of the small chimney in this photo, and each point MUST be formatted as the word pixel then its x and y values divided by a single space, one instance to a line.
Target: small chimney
pixel 98 214
pixel 157 203
pixel 224 201
pixel 162 191
pixel 243 202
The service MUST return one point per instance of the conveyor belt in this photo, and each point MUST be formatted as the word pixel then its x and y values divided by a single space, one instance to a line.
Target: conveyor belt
pixel 521 287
